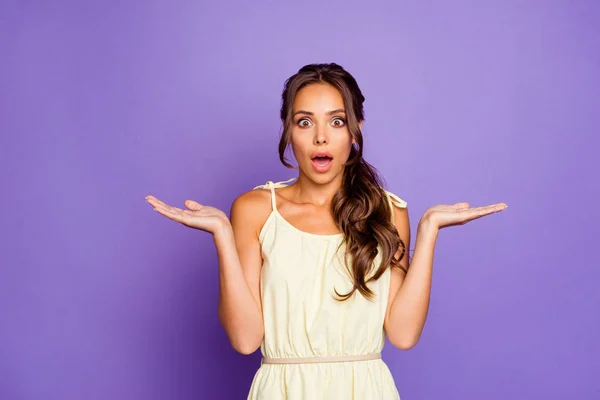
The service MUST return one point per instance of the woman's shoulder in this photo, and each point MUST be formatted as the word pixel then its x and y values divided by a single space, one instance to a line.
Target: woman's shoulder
pixel 252 207
pixel 253 197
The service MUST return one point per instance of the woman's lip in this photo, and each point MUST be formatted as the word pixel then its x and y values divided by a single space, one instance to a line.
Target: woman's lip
pixel 321 153
pixel 322 168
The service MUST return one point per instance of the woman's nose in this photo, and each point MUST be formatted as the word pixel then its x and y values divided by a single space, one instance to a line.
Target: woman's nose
pixel 320 135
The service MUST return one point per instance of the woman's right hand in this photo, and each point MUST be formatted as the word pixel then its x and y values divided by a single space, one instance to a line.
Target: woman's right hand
pixel 197 216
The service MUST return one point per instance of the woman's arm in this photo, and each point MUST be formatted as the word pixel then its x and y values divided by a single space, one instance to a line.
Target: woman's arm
pixel 408 302
pixel 240 262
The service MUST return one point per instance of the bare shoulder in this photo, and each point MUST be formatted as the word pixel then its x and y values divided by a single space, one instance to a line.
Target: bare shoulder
pixel 251 209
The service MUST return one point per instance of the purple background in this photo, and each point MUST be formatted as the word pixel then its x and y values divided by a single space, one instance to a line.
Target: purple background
pixel 102 104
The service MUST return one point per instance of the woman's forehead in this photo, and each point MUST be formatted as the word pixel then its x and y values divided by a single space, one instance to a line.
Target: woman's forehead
pixel 318 98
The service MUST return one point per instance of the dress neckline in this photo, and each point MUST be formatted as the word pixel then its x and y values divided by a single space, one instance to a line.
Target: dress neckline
pixel 318 235
pixel 275 212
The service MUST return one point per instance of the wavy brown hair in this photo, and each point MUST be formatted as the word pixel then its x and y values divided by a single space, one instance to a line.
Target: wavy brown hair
pixel 360 208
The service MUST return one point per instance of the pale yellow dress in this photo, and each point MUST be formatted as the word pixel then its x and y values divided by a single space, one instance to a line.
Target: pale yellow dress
pixel 303 319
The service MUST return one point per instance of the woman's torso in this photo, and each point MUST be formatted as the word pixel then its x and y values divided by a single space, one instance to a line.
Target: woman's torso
pixel 303 318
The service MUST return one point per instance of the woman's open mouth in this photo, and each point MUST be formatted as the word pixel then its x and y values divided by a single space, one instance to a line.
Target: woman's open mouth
pixel 322 162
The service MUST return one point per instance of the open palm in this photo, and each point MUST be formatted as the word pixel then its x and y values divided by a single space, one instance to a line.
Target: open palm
pixel 444 215
pixel 197 216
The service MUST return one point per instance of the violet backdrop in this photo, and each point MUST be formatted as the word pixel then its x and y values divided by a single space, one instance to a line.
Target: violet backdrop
pixel 102 103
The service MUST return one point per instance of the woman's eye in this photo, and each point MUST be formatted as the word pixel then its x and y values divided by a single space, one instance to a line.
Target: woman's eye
pixel 338 122
pixel 304 123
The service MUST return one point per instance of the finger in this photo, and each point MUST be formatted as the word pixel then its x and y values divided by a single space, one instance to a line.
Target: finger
pixel 193 205
pixel 170 213
pixel 163 211
pixel 479 212
pixel 151 198
pixel 168 207
pixel 452 207
pixel 496 207
pixel 154 201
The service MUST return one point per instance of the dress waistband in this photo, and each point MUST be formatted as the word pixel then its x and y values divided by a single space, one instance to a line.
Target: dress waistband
pixel 322 359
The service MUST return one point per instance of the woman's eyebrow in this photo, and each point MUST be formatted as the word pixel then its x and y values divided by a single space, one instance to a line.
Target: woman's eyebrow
pixel 339 110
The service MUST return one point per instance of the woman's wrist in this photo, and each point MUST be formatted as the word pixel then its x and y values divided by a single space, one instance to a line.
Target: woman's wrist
pixel 427 227
pixel 223 233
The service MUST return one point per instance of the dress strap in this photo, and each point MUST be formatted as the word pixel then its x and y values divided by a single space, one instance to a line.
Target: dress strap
pixel 272 186
pixel 393 199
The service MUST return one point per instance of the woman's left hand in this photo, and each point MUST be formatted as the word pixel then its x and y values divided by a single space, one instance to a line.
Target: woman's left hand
pixel 443 215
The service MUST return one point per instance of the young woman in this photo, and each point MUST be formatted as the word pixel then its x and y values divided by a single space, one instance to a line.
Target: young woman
pixel 316 273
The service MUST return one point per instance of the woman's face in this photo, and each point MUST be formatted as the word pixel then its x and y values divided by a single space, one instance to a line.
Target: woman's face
pixel 320 138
